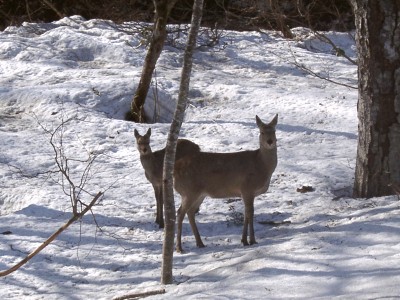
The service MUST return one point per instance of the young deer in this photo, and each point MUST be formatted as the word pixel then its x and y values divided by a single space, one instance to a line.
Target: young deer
pixel 153 163
pixel 245 174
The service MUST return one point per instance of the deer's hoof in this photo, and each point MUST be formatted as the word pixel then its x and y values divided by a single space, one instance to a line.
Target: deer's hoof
pixel 160 224
pixel 179 249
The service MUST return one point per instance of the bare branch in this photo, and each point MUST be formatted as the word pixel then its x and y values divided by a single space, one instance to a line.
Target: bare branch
pixel 74 218
pixel 52 7
pixel 23 173
pixel 338 51
pixel 140 295
pixel 309 71
pixel 72 186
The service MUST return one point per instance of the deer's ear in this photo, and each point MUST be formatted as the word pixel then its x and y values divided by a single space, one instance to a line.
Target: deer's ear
pixel 148 133
pixel 259 122
pixel 137 135
pixel 274 121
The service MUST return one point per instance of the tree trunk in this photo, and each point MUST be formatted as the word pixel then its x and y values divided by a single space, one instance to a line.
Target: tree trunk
pixel 162 10
pixel 170 149
pixel 378 44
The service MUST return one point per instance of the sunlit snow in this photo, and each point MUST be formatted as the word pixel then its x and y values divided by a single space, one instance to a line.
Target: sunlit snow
pixel 320 244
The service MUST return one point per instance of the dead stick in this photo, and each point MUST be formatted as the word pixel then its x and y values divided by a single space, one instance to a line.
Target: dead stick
pixel 52 237
pixel 139 295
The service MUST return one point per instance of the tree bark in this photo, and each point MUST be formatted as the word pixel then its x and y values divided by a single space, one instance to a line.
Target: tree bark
pixel 170 149
pixel 378 44
pixel 162 10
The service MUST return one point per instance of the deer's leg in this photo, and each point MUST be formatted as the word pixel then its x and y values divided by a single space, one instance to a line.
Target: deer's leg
pixel 180 216
pixel 248 221
pixel 251 224
pixel 191 216
pixel 244 233
pixel 160 203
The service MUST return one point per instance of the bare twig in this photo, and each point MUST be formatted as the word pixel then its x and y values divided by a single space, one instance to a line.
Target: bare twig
pixel 52 7
pixel 72 187
pixel 315 74
pixel 28 11
pixel 338 51
pixel 140 295
pixel 309 71
pixel 18 170
pixel 74 218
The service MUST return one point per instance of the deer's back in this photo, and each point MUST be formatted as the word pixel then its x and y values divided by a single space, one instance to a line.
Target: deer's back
pixel 186 148
pixel 221 175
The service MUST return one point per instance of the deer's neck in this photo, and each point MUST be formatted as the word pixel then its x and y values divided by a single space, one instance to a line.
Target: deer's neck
pixel 269 158
pixel 147 160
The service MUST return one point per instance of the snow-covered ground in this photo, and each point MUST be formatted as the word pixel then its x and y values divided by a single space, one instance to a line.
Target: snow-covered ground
pixel 320 244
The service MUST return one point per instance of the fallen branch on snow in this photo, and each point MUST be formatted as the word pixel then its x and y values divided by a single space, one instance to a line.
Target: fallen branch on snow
pixel 74 218
pixel 140 295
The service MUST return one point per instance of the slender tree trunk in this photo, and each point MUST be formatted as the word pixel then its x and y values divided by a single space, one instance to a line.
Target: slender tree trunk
pixel 162 10
pixel 378 44
pixel 169 161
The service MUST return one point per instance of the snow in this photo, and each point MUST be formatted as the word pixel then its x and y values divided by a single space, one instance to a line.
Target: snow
pixel 323 244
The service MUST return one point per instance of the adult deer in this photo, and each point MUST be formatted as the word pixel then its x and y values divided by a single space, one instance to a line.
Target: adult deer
pixel 153 163
pixel 245 174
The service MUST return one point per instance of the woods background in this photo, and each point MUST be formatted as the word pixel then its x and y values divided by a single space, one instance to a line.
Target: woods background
pixel 225 14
